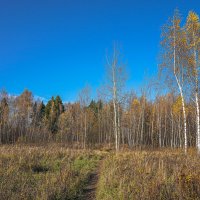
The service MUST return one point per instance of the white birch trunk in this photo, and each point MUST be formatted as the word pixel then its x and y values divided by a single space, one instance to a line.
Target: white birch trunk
pixel 197 122
pixel 181 93
pixel 118 125
pixel 115 106
pixel 197 101
pixel 85 135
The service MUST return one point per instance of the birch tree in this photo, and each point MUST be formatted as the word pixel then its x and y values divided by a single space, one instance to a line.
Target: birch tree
pixel 116 81
pixel 175 53
pixel 193 38
pixel 84 99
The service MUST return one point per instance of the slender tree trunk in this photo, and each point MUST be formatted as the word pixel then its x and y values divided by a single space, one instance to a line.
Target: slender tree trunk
pixel 115 105
pixel 182 97
pixel 118 125
pixel 197 121
pixel 197 101
pixel 115 124
pixel 85 130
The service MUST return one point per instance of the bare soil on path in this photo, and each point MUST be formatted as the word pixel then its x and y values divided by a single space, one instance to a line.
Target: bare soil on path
pixel 89 192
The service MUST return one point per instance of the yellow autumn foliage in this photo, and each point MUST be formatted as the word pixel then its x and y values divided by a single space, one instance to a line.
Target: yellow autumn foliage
pixel 177 106
pixel 193 26
pixel 135 106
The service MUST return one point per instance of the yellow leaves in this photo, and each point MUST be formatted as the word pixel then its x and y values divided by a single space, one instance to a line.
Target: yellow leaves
pixel 177 106
pixel 190 61
pixel 193 24
pixel 193 17
pixel 135 105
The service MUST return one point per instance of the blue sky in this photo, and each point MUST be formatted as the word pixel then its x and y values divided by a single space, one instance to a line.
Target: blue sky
pixel 58 46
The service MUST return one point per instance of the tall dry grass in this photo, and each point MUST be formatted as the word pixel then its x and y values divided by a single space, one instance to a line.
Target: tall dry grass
pixel 44 172
pixel 150 175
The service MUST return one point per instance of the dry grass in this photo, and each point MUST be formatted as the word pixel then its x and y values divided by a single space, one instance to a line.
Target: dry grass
pixel 150 175
pixel 51 172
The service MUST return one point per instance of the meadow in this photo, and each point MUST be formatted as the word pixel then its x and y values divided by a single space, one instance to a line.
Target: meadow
pixel 54 172
pixel 149 175
pixel 76 124
pixel 37 172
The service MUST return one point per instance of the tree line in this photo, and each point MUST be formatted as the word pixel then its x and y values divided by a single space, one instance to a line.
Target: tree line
pixel 118 118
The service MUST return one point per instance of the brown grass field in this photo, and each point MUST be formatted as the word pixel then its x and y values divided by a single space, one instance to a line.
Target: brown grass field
pixel 55 172
pixel 164 174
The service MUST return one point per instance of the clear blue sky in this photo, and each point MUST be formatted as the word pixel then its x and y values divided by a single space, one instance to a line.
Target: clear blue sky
pixel 57 46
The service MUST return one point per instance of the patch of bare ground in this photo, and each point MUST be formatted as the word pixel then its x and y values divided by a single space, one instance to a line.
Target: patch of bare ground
pixel 89 192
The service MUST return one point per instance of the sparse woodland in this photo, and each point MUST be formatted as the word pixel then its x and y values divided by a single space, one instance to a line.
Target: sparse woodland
pixel 170 119
pixel 156 133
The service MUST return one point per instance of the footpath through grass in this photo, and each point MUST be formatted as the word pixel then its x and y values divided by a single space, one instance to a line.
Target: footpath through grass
pixel 56 173
pixel 44 173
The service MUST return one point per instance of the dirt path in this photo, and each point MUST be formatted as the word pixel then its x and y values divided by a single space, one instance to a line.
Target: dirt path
pixel 89 192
